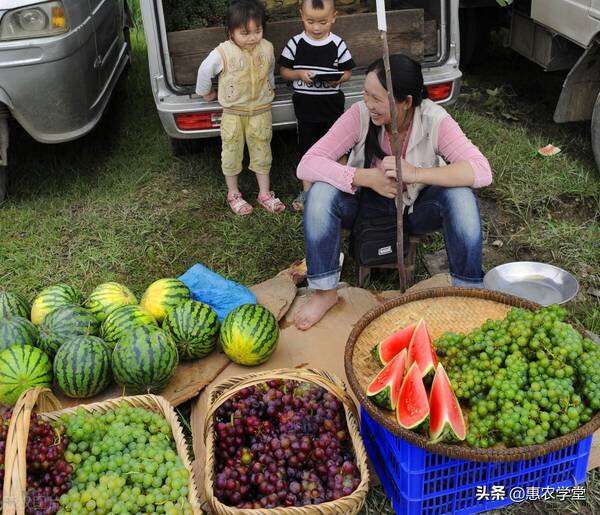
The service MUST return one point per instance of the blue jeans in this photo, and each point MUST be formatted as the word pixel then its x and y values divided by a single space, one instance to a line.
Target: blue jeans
pixel 454 211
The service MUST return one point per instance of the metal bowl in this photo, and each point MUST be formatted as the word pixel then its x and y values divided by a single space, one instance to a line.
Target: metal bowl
pixel 539 282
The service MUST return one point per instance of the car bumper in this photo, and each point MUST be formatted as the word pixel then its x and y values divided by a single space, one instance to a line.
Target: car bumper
pixel 170 104
pixel 47 85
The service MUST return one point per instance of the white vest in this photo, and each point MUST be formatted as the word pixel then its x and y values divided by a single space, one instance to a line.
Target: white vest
pixel 421 149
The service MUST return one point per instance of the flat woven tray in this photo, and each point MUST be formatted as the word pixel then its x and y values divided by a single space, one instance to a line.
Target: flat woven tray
pixel 443 309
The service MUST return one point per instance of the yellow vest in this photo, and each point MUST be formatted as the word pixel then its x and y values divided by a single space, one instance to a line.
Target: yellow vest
pixel 244 85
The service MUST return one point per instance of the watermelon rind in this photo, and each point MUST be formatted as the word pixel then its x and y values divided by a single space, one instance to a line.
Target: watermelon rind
pixel 385 387
pixel 194 327
pixel 421 350
pixel 54 297
pixel 17 330
pixel 22 367
pixel 443 402
pixel 82 366
pixel 64 323
pixel 122 320
pixel 13 304
pixel 384 351
pixel 107 297
pixel 413 406
pixel 249 334
pixel 163 295
pixel 145 359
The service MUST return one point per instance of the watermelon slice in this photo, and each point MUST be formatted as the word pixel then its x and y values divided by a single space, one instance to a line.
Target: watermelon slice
pixel 385 350
pixel 413 407
pixel 384 389
pixel 446 414
pixel 420 350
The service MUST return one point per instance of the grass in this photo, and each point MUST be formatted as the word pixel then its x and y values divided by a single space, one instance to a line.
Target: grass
pixel 117 205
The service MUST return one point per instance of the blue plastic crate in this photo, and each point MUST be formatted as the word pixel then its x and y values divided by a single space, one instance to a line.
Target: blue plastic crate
pixel 423 483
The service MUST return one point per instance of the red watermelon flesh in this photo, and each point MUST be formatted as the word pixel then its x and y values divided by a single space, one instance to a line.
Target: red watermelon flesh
pixel 384 389
pixel 385 350
pixel 421 350
pixel 445 409
pixel 413 406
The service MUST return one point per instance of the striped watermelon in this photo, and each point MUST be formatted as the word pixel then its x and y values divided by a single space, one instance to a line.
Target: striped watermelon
pixel 17 331
pixel 162 295
pixel 107 297
pixel 249 334
pixel 13 304
pixel 52 298
pixel 124 319
pixel 64 323
pixel 145 359
pixel 82 366
pixel 22 367
pixel 194 327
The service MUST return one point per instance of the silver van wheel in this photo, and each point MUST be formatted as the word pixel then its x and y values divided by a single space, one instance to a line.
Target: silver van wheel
pixel 3 181
pixel 596 132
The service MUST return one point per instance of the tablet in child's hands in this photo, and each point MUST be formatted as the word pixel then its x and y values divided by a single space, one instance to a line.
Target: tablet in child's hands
pixel 328 77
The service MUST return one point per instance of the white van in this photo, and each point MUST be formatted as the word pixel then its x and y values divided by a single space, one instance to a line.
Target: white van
pixel 427 30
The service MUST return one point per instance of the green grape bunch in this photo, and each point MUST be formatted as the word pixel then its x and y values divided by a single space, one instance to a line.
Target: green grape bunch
pixel 524 379
pixel 124 462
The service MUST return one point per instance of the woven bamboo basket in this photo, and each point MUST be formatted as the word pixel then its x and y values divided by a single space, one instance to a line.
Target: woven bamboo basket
pixel 347 505
pixel 444 309
pixel 15 476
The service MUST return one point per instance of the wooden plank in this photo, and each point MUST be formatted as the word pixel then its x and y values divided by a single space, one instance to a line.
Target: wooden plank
pixel 430 37
pixel 406 35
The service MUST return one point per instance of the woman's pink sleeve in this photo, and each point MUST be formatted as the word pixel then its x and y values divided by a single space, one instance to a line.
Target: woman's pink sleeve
pixel 454 146
pixel 320 162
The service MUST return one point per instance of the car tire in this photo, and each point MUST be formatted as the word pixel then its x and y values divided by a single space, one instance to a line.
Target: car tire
pixel 595 132
pixel 3 183
pixel 184 147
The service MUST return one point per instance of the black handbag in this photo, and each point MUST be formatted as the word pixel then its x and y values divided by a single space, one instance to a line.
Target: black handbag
pixel 373 241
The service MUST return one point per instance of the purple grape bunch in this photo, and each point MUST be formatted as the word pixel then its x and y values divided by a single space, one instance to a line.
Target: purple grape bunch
pixel 283 443
pixel 48 474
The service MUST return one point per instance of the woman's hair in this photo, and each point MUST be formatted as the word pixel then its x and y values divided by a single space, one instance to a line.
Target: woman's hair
pixel 242 12
pixel 407 79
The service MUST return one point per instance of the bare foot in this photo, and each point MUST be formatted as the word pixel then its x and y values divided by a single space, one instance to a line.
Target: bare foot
pixel 315 308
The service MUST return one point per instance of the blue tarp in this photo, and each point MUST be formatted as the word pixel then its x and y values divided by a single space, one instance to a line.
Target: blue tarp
pixel 213 289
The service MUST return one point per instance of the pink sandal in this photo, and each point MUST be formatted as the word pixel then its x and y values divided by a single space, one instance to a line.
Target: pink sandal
pixel 271 203
pixel 238 205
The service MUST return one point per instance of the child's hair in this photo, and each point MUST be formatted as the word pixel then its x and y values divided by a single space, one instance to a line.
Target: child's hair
pixel 242 12
pixel 317 4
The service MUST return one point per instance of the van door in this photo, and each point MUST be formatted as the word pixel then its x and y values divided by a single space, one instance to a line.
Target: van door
pixel 595 9
pixel 107 17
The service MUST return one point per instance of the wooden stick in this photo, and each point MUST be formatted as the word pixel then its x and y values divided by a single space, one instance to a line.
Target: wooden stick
pixel 397 150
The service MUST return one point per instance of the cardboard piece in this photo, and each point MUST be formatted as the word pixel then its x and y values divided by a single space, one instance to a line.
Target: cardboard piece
pixel 191 377
pixel 322 346
pixel 594 460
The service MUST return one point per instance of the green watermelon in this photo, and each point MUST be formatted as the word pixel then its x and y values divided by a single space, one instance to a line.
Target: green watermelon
pixel 145 359
pixel 194 327
pixel 17 331
pixel 13 304
pixel 122 320
pixel 386 349
pixel 107 297
pixel 162 295
pixel 412 409
pixel 446 416
pixel 421 351
pixel 82 366
pixel 22 367
pixel 384 389
pixel 64 323
pixel 249 334
pixel 52 298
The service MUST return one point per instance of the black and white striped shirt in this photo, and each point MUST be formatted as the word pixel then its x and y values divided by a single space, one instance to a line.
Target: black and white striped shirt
pixel 317 101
